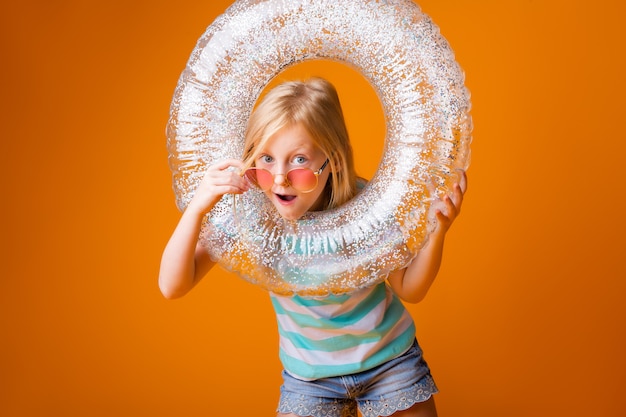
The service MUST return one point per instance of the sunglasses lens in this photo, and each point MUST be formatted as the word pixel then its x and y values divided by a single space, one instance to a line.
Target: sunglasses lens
pixel 260 178
pixel 302 179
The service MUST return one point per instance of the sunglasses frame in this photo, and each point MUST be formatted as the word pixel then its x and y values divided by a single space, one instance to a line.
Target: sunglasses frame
pixel 287 180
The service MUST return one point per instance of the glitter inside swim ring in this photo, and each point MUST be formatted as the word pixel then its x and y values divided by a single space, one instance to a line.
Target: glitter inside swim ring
pixel 403 56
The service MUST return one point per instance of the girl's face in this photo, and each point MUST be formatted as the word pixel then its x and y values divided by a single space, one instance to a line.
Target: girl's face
pixel 290 148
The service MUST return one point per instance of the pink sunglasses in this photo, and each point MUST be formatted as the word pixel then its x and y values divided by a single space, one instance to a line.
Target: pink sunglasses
pixel 301 179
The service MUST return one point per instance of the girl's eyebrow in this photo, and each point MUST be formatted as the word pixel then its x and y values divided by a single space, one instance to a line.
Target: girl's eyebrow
pixel 301 150
pixel 304 149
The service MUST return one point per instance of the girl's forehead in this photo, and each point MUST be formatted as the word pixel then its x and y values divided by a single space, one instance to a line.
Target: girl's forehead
pixel 290 139
pixel 289 148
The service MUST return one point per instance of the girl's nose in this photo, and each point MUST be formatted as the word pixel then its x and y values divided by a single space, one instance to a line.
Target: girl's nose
pixel 280 179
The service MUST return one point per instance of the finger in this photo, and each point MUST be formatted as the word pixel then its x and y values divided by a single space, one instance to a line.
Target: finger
pixel 449 212
pixel 231 179
pixel 223 181
pixel 224 168
pixel 457 197
pixel 442 218
pixel 462 180
pixel 459 188
pixel 224 164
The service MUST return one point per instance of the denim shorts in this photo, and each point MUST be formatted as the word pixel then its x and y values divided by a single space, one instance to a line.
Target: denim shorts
pixel 393 386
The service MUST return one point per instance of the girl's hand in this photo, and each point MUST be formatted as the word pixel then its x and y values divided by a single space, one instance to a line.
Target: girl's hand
pixel 412 283
pixel 448 209
pixel 218 180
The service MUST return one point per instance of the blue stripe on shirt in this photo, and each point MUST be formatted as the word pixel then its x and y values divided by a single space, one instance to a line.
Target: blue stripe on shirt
pixel 304 370
pixel 360 311
pixel 346 341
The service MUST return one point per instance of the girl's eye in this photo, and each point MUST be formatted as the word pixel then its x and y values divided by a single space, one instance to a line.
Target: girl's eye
pixel 299 160
pixel 266 159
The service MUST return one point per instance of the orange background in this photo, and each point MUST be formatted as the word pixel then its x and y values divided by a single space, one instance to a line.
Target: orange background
pixel 527 315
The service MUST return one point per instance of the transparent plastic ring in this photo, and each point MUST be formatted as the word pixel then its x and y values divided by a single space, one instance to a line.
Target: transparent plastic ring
pixel 402 54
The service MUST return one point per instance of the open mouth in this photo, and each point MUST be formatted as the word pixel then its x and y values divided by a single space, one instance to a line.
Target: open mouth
pixel 285 197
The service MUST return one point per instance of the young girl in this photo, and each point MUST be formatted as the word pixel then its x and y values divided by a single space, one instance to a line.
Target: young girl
pixel 339 352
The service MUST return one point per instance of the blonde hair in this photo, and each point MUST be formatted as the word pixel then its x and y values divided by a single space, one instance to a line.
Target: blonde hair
pixel 314 104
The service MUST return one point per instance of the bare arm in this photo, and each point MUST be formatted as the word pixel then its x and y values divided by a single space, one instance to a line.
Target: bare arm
pixel 184 261
pixel 412 283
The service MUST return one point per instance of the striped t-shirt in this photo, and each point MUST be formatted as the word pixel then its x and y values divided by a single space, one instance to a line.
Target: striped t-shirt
pixel 341 334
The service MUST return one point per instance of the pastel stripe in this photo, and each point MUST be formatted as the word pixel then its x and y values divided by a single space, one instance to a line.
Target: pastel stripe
pixel 341 334
pixel 338 310
pixel 350 335
pixel 317 367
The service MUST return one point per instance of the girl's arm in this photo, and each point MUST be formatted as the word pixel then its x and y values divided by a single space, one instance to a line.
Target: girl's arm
pixel 412 283
pixel 184 261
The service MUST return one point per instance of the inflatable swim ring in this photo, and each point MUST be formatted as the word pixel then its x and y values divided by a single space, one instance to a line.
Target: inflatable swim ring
pixel 401 53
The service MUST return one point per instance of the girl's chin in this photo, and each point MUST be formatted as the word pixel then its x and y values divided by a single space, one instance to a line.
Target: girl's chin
pixel 288 214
